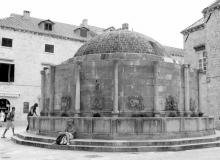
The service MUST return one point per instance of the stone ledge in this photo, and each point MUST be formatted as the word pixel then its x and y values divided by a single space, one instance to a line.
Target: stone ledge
pixel 123 128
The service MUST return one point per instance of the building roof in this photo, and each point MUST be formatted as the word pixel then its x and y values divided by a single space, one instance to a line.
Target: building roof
pixel 212 6
pixel 200 23
pixel 31 24
pixel 121 41
pixel 177 52
pixel 195 26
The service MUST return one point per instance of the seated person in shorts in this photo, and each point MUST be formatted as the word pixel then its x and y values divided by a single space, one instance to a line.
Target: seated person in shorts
pixel 68 134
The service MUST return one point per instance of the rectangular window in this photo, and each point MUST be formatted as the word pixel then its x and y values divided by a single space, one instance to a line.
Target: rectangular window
pixel 202 56
pixel 200 64
pixel 7 42
pixel 48 27
pixel 203 60
pixel 199 48
pixel 49 48
pixel 7 72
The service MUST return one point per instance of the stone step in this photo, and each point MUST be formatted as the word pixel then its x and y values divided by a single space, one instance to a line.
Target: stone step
pixel 95 142
pixel 117 148
pixel 37 138
pixel 144 142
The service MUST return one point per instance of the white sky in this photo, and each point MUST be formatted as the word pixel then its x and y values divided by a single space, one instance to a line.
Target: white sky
pixel 160 19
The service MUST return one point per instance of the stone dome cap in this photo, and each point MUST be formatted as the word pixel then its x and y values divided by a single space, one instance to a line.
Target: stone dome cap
pixel 121 41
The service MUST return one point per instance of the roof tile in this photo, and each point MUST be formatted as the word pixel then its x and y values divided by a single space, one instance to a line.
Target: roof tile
pixel 197 23
pixel 32 24
pixel 174 51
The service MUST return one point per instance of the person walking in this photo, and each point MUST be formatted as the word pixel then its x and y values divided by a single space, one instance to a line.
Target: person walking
pixel 32 112
pixel 2 118
pixel 9 122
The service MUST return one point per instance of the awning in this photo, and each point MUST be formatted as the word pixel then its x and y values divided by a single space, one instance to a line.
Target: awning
pixel 9 94
pixel 3 108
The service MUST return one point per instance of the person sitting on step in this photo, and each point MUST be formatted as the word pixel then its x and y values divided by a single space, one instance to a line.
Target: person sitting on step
pixel 69 133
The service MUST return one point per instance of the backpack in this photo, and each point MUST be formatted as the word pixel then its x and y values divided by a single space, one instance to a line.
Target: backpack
pixel 61 139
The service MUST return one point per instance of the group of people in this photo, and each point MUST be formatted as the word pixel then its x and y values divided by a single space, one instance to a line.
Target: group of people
pixel 10 119
pixel 63 137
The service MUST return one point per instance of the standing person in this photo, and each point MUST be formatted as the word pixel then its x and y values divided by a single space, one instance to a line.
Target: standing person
pixel 2 118
pixel 9 122
pixel 32 112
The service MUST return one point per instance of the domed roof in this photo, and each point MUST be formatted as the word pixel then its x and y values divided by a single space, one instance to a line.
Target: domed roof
pixel 121 41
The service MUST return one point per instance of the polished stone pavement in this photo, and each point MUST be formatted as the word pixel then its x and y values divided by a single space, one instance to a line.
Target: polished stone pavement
pixel 12 151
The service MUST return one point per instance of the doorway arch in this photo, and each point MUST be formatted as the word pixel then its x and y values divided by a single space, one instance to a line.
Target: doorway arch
pixel 5 106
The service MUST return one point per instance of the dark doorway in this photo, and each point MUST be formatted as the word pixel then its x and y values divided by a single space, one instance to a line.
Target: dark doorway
pixel 96 115
pixel 5 106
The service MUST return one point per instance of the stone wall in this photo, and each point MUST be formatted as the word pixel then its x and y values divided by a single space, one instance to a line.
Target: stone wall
pixel 136 84
pixel 126 127
pixel 171 84
pixel 64 89
pixel 96 86
pixel 190 41
pixel 136 87
pixel 213 72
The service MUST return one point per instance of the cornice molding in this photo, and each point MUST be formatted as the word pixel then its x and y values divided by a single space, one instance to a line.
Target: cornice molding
pixel 193 29
pixel 210 9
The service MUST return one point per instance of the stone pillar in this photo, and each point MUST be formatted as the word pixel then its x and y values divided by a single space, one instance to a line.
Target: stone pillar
pixel 77 95
pixel 155 84
pixel 200 73
pixel 186 89
pixel 115 109
pixel 52 89
pixel 43 79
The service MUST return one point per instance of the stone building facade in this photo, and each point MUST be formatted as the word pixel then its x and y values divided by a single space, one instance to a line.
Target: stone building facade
pixel 201 43
pixel 29 45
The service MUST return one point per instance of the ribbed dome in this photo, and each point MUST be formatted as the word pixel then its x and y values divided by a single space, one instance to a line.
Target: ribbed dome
pixel 122 41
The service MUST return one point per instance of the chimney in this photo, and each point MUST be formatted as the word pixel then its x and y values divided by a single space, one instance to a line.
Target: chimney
pixel 26 14
pixel 125 26
pixel 84 22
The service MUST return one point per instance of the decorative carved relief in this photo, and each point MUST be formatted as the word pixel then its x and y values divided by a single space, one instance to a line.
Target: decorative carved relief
pixel 171 104
pixel 193 105
pixel 135 103
pixel 65 103
pixel 98 100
